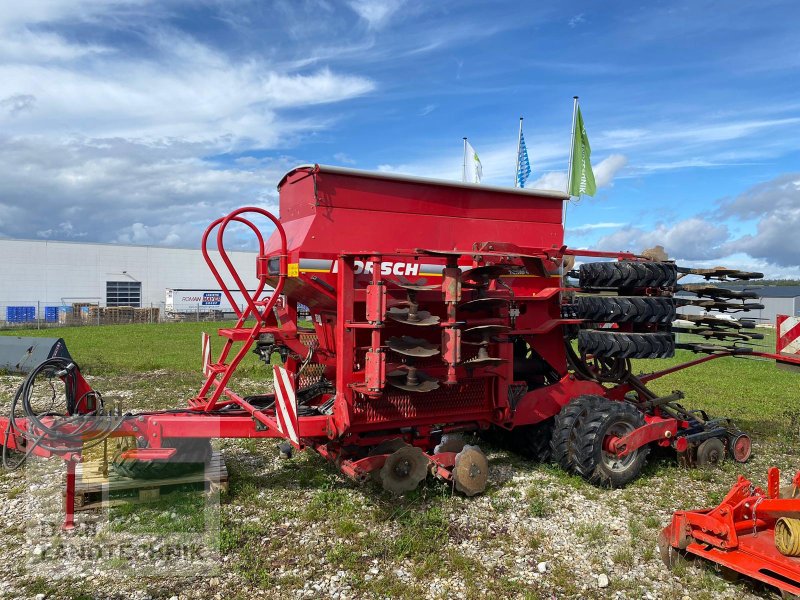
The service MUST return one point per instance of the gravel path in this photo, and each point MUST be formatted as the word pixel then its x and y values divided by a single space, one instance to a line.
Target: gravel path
pixel 297 529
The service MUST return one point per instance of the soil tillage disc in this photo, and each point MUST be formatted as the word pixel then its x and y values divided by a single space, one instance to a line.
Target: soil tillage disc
pixel 410 346
pixel 408 316
pixel 451 442
pixel 481 276
pixel 412 380
pixel 420 288
pixel 404 470
pixel 711 453
pixel 471 471
pixel 388 446
pixel 481 334
pixel 483 304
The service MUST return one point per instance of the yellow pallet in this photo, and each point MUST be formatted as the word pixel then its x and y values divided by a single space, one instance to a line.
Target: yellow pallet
pixel 93 487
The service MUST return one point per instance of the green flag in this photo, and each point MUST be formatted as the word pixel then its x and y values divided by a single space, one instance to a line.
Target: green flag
pixel 582 180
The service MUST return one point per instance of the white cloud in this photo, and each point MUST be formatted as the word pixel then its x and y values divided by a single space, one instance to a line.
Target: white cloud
pixel 113 145
pixel 576 20
pixel 118 190
pixel 691 239
pixel 593 226
pixel 376 12
pixel 774 245
pixel 604 173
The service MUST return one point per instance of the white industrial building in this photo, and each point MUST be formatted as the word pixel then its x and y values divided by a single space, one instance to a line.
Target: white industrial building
pixel 41 275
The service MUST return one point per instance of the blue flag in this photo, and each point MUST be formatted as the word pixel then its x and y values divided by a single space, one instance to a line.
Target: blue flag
pixel 523 165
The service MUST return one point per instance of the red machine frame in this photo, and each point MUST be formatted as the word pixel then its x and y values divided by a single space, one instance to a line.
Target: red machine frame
pixel 349 303
pixel 739 534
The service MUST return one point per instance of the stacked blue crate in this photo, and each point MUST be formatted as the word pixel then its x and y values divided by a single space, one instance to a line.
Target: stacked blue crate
pixel 20 314
pixel 51 314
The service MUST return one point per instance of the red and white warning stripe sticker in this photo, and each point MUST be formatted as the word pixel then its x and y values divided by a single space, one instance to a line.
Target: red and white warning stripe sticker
pixel 286 404
pixel 788 338
pixel 205 349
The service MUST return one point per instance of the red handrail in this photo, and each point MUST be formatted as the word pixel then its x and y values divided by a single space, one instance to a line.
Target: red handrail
pixel 213 268
pixel 252 308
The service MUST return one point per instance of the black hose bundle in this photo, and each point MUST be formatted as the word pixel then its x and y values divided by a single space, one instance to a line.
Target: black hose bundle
pixel 52 431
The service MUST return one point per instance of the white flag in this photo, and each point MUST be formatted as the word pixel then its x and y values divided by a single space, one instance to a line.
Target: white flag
pixel 473 169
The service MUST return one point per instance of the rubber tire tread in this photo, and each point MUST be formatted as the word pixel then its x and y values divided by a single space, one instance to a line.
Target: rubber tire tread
pixel 628 274
pixel 192 455
pixel 626 309
pixel 615 344
pixel 564 430
pixel 589 437
pixel 533 441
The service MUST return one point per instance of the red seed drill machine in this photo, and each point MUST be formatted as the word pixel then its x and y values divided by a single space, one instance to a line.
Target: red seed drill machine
pixel 435 309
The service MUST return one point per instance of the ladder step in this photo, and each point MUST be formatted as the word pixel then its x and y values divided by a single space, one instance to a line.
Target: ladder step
pixel 241 334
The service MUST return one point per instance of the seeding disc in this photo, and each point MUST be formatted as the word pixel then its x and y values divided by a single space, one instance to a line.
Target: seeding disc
pixel 404 470
pixel 451 442
pixel 471 471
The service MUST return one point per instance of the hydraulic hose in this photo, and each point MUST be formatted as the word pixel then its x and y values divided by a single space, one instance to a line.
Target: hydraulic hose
pixel 787 536
pixel 55 432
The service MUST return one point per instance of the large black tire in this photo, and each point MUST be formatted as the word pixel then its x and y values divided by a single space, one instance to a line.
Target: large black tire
pixel 599 467
pixel 533 441
pixel 615 344
pixel 628 274
pixel 564 424
pixel 626 309
pixel 192 455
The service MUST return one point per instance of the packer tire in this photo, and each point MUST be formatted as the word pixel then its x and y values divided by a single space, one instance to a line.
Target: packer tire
pixel 615 344
pixel 564 426
pixel 533 441
pixel 628 274
pixel 192 455
pixel 626 309
pixel 596 465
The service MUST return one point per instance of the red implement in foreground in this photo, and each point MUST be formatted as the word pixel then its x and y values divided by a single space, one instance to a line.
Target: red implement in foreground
pixel 436 309
pixel 752 532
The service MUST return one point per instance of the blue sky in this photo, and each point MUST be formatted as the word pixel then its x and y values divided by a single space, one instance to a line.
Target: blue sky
pixel 139 121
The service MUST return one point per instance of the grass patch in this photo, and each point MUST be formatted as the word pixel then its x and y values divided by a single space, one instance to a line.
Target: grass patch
pixel 538 504
pixel 114 349
pixel 594 533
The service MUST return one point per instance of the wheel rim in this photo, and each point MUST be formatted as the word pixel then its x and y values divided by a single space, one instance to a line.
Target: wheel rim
pixel 610 460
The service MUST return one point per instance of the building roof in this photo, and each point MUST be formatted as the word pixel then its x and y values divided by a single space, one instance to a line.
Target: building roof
pixel 777 291
pixel 113 244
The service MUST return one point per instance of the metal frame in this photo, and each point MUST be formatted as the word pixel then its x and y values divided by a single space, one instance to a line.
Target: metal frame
pixel 351 328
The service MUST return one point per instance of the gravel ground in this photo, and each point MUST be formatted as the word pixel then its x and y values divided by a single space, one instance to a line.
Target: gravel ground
pixel 297 529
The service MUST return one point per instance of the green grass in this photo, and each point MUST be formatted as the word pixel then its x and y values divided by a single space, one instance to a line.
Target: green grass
pixel 272 505
pixel 762 399
pixel 115 349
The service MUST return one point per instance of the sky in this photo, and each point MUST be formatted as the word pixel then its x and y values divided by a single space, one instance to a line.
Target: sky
pixel 140 121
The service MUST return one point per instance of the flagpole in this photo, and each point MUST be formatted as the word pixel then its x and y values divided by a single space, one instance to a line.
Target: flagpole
pixel 572 143
pixel 571 158
pixel 464 166
pixel 519 143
